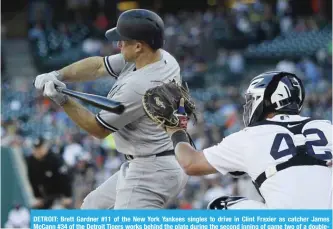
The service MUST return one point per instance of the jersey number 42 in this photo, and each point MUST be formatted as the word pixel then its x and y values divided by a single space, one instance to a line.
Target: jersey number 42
pixel 325 154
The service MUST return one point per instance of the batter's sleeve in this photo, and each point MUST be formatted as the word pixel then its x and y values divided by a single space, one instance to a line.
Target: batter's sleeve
pixel 227 156
pixel 133 109
pixel 114 64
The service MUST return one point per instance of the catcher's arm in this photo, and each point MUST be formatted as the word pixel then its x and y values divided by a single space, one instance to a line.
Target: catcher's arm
pixel 192 161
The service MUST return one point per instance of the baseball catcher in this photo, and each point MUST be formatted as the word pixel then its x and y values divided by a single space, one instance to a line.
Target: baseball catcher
pixel 283 152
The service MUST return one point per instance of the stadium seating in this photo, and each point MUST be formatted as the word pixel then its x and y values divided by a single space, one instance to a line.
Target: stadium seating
pixel 293 45
pixel 55 48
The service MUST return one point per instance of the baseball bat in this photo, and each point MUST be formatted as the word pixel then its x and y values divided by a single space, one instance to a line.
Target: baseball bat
pixel 95 100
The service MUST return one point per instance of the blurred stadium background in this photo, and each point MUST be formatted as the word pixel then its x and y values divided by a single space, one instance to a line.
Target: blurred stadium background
pixel 220 45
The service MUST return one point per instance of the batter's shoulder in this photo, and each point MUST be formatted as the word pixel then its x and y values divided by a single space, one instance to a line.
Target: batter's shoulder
pixel 168 56
pixel 165 52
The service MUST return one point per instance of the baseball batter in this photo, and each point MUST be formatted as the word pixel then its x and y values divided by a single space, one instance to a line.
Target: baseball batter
pixel 151 176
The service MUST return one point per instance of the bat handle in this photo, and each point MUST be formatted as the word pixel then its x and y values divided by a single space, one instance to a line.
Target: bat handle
pixel 59 89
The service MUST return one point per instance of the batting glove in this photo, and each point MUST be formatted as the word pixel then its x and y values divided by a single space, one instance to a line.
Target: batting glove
pixel 42 79
pixel 51 92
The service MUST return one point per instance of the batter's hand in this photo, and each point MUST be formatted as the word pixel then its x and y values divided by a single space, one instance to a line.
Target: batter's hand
pixel 42 79
pixel 51 92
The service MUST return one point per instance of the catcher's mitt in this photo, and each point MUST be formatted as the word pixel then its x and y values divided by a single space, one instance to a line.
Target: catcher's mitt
pixel 161 104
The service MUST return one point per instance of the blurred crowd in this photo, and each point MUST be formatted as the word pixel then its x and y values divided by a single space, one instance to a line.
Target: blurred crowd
pixel 64 31
pixel 217 76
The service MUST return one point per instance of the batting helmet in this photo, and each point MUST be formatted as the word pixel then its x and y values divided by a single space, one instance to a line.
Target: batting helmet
pixel 139 24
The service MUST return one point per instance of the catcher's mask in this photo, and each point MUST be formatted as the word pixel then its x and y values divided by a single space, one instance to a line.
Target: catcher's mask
pixel 278 92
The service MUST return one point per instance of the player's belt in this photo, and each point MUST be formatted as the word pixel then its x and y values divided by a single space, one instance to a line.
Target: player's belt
pixel 162 154
pixel 300 159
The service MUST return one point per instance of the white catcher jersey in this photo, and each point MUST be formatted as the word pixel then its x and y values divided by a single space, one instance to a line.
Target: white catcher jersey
pixel 255 149
pixel 134 133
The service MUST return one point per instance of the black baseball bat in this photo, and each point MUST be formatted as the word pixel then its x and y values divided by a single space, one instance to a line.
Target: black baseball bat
pixel 95 100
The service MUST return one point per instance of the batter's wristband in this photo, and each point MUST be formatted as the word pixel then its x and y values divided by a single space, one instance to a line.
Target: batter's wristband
pixel 179 136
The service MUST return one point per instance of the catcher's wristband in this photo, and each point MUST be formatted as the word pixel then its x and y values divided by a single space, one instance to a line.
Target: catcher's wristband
pixel 179 136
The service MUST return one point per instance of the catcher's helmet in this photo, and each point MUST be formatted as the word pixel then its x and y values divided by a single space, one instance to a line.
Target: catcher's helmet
pixel 278 92
pixel 139 24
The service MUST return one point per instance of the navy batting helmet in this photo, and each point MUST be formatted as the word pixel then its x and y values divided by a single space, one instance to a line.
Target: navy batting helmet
pixel 139 24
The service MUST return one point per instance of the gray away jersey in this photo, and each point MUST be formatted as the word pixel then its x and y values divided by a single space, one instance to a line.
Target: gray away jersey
pixel 134 132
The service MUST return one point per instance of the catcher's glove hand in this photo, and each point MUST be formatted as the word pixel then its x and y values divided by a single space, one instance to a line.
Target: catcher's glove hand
pixel 169 105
